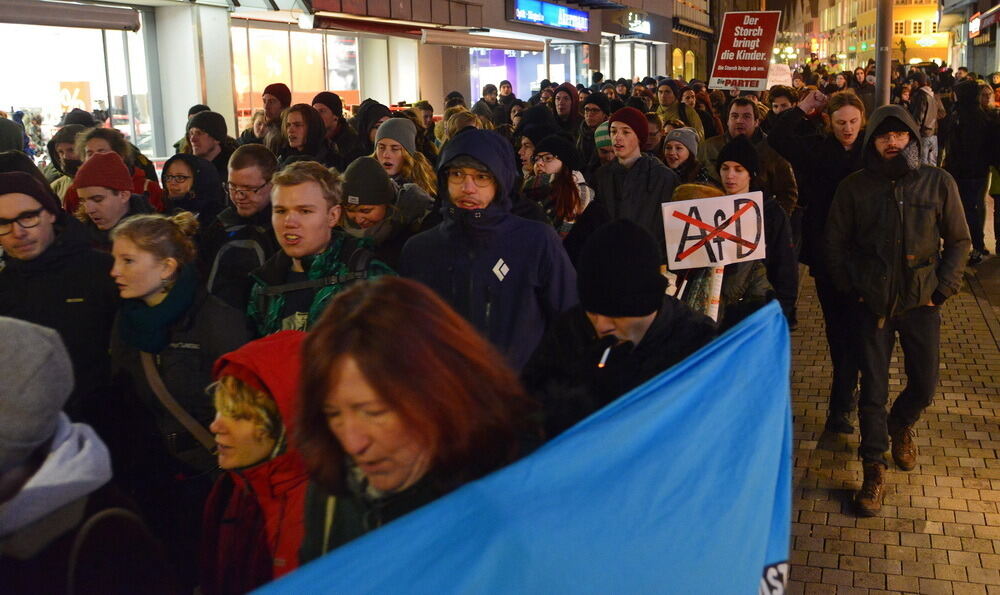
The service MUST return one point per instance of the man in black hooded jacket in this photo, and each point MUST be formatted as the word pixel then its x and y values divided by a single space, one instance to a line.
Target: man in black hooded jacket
pixel 897 241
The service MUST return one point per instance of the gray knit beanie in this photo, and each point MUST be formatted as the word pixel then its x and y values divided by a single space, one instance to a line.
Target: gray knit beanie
pixel 37 380
pixel 401 130
pixel 685 136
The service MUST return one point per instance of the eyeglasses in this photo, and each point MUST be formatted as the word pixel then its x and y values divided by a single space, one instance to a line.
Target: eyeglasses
pixel 480 179
pixel 241 191
pixel 26 220
pixel 894 136
pixel 545 158
pixel 592 110
pixel 177 178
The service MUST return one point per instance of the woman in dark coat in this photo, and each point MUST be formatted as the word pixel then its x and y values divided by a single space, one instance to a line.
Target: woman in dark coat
pixel 192 184
pixel 167 335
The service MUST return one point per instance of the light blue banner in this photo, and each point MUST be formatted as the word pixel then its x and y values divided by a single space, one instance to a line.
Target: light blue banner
pixel 681 486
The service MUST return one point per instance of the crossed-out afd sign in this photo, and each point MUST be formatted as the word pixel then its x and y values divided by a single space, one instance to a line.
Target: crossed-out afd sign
pixel 714 231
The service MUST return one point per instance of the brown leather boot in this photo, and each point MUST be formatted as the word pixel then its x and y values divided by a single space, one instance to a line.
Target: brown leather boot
pixel 904 451
pixel 869 498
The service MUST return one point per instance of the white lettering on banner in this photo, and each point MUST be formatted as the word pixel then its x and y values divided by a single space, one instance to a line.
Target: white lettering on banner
pixel 774 580
pixel 713 231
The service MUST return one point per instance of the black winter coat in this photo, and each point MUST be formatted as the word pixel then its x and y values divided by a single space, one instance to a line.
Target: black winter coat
pixel 821 163
pixel 563 372
pixel 208 330
pixel 637 193
pixel 69 288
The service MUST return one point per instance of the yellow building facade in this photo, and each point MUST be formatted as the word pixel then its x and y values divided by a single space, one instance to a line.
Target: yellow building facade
pixel 848 31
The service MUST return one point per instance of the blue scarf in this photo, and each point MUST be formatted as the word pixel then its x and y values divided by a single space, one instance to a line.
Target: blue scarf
pixel 148 328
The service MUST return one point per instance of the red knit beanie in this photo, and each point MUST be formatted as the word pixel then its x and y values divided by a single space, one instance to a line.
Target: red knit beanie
pixel 635 120
pixel 106 170
pixel 281 92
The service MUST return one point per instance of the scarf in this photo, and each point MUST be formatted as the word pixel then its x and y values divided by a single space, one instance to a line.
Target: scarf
pixel 148 328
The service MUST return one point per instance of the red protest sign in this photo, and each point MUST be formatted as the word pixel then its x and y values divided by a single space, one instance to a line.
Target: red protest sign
pixel 743 55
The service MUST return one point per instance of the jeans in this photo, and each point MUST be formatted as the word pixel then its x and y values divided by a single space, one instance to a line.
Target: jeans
pixel 919 333
pixel 929 150
pixel 973 193
pixel 838 315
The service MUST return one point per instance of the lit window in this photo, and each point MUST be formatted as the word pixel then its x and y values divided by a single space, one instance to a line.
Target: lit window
pixel 918 27
pixel 934 27
pixel 898 27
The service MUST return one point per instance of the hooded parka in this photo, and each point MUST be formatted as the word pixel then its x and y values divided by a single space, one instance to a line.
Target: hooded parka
pixel 254 515
pixel 508 276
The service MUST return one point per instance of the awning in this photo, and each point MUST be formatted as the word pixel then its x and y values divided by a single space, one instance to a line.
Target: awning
pixel 366 26
pixel 68 14
pixel 456 39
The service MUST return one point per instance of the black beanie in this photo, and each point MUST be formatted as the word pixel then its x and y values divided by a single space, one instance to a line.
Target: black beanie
pixel 197 108
pixel 562 148
pixel 537 132
pixel 600 100
pixel 19 182
pixel 332 101
pixel 740 150
pixel 619 271
pixel 367 183
pixel 211 122
pixel 78 116
pixel 890 124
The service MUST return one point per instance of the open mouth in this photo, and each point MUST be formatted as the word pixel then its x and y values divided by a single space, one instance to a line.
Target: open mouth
pixel 292 239
pixel 467 204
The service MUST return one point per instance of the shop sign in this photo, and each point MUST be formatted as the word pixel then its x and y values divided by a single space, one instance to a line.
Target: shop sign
pixel 974 23
pixel 74 95
pixel 539 12
pixel 635 21
pixel 743 56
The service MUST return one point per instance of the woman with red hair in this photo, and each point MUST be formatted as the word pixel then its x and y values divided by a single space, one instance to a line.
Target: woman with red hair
pixel 401 402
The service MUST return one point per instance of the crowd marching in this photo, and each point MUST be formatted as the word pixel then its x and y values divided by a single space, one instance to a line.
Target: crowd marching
pixel 285 340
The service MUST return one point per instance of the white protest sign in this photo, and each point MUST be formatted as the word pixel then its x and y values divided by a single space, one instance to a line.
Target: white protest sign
pixel 779 74
pixel 714 231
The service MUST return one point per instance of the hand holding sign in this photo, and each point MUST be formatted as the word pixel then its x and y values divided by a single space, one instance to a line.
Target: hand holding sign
pixel 714 231
pixel 813 102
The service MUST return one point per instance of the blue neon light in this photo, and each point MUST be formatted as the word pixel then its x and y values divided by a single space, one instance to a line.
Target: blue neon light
pixel 538 12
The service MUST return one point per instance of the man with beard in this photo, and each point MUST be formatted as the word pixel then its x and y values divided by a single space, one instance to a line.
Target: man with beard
pixel 884 247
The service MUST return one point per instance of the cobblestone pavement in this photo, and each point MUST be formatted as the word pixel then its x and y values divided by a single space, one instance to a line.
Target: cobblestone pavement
pixel 940 527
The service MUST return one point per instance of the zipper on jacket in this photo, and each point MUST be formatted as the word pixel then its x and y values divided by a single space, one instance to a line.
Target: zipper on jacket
pixel 894 290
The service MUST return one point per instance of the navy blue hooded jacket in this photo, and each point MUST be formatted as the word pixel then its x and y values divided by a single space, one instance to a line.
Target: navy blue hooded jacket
pixel 508 276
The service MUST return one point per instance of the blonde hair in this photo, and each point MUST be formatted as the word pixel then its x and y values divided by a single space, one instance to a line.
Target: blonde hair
pixel 693 191
pixel 458 122
pixel 300 172
pixel 440 132
pixel 236 399
pixel 843 99
pixel 416 167
pixel 163 237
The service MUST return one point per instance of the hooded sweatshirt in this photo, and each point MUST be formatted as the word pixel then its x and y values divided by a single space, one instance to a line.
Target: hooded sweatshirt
pixel 206 198
pixel 886 226
pixel 369 112
pixel 509 277
pixel 253 523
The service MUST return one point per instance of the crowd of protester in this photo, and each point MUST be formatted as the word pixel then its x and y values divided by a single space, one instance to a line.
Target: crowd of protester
pixel 298 334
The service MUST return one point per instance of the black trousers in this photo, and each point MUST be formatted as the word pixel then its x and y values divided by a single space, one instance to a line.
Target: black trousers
pixel 838 316
pixel 919 333
pixel 973 194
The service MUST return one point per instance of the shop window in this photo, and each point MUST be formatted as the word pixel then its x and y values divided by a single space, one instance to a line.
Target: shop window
pixel 623 60
pixel 342 68
pixel 689 65
pixel 642 60
pixel 308 62
pixel 524 70
pixel 562 64
pixel 607 67
pixel 49 84
pixel 678 64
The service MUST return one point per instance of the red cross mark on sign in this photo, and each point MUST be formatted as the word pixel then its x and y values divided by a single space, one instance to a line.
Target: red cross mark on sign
pixel 715 231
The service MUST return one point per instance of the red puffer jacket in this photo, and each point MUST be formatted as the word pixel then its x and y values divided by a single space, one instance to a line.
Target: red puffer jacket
pixel 253 522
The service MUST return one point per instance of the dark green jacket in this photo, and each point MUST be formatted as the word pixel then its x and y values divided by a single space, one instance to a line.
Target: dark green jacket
pixel 344 261
pixel 884 236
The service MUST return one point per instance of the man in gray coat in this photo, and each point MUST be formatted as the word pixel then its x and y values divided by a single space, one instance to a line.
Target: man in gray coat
pixel 896 240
